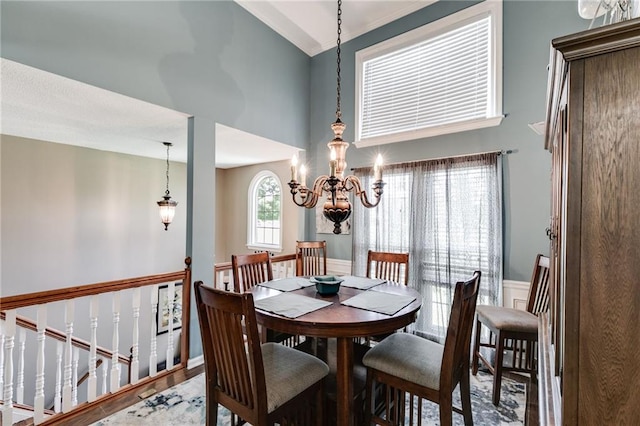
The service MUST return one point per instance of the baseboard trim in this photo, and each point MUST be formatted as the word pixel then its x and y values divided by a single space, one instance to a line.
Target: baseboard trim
pixel 195 362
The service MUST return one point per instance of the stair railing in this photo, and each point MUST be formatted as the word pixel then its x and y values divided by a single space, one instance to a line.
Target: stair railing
pixel 78 307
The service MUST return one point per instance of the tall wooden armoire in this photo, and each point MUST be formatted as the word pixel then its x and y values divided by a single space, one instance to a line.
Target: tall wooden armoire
pixel 590 339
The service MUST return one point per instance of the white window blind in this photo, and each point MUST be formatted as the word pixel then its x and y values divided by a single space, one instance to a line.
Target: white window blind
pixel 438 81
pixel 432 77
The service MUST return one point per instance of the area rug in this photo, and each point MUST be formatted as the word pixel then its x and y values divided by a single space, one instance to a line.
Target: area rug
pixel 184 404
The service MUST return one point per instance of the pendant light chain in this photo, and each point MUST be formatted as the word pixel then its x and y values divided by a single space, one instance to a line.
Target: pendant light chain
pixel 167 191
pixel 338 112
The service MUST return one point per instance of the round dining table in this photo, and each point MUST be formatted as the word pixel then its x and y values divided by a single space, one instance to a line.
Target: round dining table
pixel 343 323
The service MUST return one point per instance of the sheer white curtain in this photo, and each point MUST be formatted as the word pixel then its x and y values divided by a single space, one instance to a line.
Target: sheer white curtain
pixel 447 214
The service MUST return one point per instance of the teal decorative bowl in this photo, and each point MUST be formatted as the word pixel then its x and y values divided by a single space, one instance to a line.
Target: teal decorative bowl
pixel 327 285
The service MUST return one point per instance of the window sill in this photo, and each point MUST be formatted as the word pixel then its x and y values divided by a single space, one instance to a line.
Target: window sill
pixel 431 131
pixel 271 249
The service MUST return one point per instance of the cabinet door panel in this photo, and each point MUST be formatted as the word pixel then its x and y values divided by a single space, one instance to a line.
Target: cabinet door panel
pixel 610 233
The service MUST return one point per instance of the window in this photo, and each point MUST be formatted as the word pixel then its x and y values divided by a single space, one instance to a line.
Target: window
pixel 441 78
pixel 265 213
pixel 447 214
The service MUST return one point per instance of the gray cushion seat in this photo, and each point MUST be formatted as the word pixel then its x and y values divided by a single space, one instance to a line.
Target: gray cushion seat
pixel 409 357
pixel 507 319
pixel 288 372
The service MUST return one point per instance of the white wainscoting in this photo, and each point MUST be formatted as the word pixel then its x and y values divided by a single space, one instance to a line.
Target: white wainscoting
pixel 515 294
pixel 338 267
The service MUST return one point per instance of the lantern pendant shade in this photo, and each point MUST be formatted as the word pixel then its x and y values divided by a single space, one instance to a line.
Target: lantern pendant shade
pixel 167 210
pixel 167 205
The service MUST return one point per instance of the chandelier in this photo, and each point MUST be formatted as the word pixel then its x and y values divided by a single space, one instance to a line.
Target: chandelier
pixel 337 207
pixel 167 205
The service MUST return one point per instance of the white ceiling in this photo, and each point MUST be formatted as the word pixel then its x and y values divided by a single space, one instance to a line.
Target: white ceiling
pixel 312 24
pixel 36 104
pixel 40 105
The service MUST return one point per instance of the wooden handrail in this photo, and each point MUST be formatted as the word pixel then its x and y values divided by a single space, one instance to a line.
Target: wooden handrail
pixel 60 336
pixel 40 297
pixel 226 266
pixel 283 258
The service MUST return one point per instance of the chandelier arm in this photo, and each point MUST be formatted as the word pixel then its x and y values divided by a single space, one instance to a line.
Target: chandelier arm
pixel 298 196
pixel 356 187
pixel 306 197
pixel 316 192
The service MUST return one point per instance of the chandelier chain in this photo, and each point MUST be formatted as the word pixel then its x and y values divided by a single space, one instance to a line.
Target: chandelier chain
pixel 338 112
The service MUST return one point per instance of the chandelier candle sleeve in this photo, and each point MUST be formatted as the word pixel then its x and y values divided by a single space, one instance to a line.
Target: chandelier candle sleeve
pixel 377 168
pixel 294 170
pixel 303 175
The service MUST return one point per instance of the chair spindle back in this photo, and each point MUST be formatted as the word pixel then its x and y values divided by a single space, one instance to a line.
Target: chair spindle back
pixel 250 270
pixel 538 300
pixel 457 346
pixel 235 375
pixel 311 258
pixel 388 266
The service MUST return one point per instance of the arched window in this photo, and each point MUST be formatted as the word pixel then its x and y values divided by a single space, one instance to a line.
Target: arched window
pixel 265 212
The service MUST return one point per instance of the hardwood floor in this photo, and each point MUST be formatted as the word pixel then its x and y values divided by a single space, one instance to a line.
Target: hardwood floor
pixel 117 403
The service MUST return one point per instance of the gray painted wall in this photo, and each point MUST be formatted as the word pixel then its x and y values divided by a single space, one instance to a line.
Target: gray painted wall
pixel 74 216
pixel 215 61
pixel 528 27
pixel 212 60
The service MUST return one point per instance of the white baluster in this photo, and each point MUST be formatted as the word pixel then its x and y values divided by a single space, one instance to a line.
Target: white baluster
pixel 171 289
pixel 105 371
pixel 38 400
pixel 10 332
pixel 1 355
pixel 92 382
pixel 276 270
pixel 153 354
pixel 115 365
pixel 68 355
pixel 220 280
pixel 74 387
pixel 57 405
pixel 20 386
pixel 135 349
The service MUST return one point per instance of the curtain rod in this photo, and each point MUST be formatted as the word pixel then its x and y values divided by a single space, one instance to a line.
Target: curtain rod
pixel 499 152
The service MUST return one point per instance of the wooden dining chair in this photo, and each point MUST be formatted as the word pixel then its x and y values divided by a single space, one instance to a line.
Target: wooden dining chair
pixel 513 330
pixel 250 270
pixel 408 364
pixel 388 266
pixel 311 258
pixel 263 384
pixel 393 267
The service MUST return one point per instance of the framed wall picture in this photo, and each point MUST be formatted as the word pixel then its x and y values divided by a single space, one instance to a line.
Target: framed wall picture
pixel 164 308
